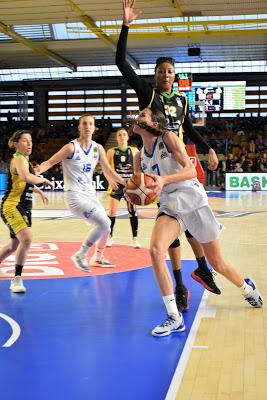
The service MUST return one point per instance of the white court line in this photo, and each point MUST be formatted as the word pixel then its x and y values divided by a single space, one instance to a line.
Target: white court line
pixel 203 311
pixel 15 330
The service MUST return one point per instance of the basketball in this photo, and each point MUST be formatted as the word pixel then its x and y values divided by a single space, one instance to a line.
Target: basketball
pixel 137 190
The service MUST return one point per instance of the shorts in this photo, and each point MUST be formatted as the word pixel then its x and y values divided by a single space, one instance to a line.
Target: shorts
pixel 84 206
pixel 201 223
pixel 16 218
pixel 116 193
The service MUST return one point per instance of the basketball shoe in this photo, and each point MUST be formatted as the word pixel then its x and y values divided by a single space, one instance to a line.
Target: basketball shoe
pixel 254 298
pixel 102 262
pixel 172 324
pixel 206 280
pixel 80 262
pixel 16 285
pixel 182 296
pixel 136 244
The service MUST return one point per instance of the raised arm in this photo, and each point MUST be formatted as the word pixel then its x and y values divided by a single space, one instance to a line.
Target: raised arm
pixel 140 85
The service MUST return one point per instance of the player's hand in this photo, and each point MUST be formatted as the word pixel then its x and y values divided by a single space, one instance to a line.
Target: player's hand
pixel 44 198
pixel 213 160
pixel 129 15
pixel 113 185
pixel 157 184
pixel 49 183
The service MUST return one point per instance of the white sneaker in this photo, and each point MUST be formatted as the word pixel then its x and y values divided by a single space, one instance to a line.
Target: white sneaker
pixel 80 262
pixel 109 242
pixel 3 274
pixel 172 324
pixel 136 244
pixel 103 262
pixel 16 285
pixel 254 298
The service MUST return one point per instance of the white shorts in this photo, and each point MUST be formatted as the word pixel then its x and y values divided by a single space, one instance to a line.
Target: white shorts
pixel 84 206
pixel 201 223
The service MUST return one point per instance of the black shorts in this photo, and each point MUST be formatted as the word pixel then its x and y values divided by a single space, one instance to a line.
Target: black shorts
pixel 117 194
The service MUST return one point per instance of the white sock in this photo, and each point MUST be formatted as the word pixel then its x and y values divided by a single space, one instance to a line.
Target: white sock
pixel 245 289
pixel 171 305
pixel 99 253
pixel 83 250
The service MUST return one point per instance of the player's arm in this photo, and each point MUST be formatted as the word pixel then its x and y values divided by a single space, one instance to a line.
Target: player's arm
pixel 110 155
pixel 21 167
pixel 197 139
pixel 65 152
pixel 140 85
pixel 107 170
pixel 176 147
pixel 137 163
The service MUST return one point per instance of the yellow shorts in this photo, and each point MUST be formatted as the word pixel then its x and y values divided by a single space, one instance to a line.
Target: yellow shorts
pixel 16 218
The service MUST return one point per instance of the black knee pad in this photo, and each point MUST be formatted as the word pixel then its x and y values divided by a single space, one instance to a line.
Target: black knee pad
pixel 188 234
pixel 175 244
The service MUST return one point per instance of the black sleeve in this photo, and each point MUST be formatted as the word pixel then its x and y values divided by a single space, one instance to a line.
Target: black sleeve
pixel 193 134
pixel 142 88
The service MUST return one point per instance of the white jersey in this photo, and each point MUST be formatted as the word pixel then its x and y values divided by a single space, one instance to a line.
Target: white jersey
pixel 184 196
pixel 78 170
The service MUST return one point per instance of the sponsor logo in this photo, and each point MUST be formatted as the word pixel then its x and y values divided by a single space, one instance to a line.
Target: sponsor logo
pixel 245 181
pixel 163 154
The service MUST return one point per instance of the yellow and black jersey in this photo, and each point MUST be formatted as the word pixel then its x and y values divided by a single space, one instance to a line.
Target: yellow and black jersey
pixel 173 106
pixel 18 192
pixel 122 162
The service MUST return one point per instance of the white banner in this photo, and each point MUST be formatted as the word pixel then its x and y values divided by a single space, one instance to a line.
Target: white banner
pixel 246 181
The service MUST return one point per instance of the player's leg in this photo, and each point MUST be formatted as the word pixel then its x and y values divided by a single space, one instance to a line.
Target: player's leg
pixel 6 250
pixel 164 232
pixel 112 211
pixel 247 286
pixel 202 274
pixel 24 238
pixel 134 224
pixel 182 294
pixel 92 211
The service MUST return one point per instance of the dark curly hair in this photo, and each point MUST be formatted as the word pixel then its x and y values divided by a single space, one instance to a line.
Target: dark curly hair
pixel 156 131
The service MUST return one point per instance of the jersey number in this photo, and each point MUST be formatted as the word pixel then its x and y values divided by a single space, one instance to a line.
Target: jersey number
pixel 155 168
pixel 87 167
pixel 170 110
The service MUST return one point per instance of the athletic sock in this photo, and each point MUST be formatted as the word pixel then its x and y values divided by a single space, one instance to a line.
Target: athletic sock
pixel 18 269
pixel 202 264
pixel 170 304
pixel 134 225
pixel 99 253
pixel 177 273
pixel 113 220
pixel 83 250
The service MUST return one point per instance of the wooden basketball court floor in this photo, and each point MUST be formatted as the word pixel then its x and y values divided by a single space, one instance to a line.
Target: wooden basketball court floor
pixel 87 336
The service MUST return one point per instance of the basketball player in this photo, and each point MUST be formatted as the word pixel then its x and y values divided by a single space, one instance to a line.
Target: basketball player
pixel 79 159
pixel 17 204
pixel 183 205
pixel 174 106
pixel 121 161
